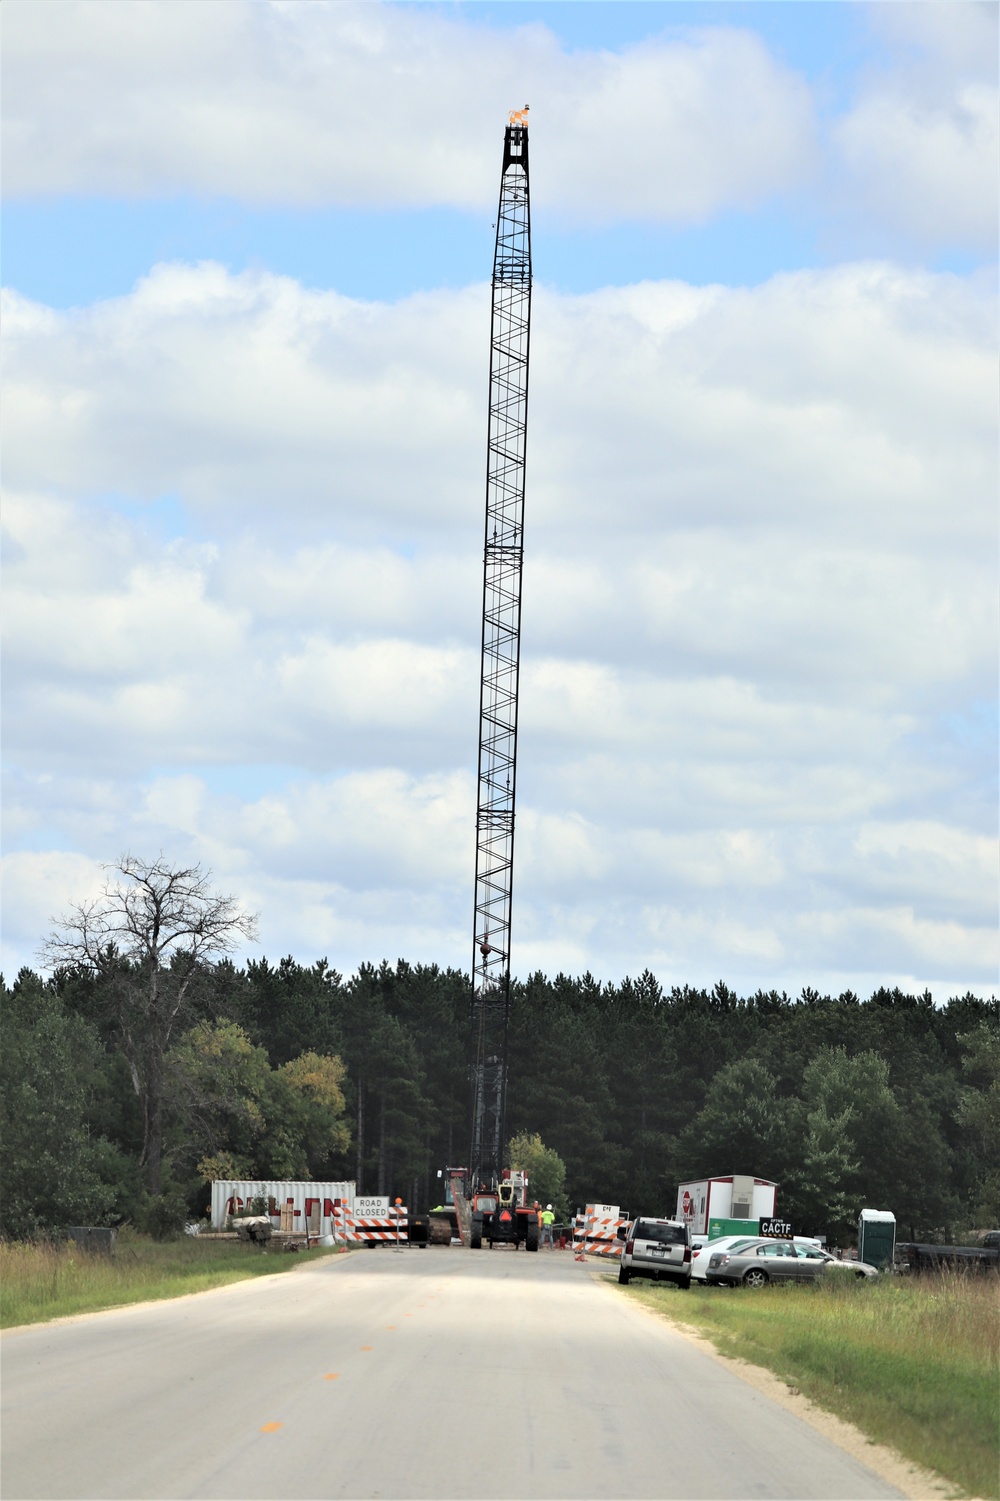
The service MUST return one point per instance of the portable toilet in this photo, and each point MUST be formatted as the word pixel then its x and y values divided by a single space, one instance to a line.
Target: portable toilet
pixel 876 1237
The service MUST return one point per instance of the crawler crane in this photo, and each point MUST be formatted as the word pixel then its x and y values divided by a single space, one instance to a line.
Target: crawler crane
pixel 499 1210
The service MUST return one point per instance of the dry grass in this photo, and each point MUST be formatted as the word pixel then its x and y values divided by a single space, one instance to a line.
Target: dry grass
pixel 912 1362
pixel 40 1281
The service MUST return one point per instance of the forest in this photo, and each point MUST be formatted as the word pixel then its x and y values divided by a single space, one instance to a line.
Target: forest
pixel 144 1062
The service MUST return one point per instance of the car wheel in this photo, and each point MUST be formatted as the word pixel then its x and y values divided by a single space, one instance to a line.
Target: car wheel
pixel 685 1284
pixel 755 1278
pixel 859 1274
pixel 624 1275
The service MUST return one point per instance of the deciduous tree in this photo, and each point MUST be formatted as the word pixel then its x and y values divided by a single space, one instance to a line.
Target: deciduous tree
pixel 149 937
pixel 545 1169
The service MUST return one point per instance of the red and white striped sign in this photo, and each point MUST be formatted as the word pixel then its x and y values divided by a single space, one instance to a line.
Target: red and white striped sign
pixel 595 1233
pixel 371 1229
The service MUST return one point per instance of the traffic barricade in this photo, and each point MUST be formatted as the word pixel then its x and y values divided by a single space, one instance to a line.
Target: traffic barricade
pixel 377 1230
pixel 600 1231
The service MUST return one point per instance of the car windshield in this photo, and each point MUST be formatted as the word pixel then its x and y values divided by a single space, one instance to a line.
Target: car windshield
pixel 667 1235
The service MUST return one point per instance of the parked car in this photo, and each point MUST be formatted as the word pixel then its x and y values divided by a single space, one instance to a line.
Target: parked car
pixel 658 1249
pixel 701 1254
pixel 852 1266
pixel 702 1247
pixel 764 1261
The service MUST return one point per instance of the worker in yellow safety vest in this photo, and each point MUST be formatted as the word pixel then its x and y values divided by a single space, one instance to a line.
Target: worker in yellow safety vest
pixel 548 1220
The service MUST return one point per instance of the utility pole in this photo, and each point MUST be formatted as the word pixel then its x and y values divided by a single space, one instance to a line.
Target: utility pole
pixel 502 559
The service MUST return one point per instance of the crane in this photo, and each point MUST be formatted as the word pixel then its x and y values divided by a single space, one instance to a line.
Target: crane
pixel 502 559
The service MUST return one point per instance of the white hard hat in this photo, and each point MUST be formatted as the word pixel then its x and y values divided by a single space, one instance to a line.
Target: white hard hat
pixel 548 1206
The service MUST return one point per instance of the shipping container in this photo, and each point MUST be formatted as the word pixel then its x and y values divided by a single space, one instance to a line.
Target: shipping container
pixel 736 1198
pixel 310 1204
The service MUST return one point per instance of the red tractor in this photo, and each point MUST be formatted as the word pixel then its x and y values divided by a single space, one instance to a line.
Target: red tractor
pixel 502 1215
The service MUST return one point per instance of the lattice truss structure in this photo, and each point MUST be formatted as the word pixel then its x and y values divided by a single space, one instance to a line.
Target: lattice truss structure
pixel 501 655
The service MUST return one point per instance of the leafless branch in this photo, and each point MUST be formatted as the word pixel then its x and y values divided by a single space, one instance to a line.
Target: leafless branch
pixel 149 917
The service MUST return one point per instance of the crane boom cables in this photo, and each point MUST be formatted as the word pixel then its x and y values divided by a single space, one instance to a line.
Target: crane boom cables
pixel 502 560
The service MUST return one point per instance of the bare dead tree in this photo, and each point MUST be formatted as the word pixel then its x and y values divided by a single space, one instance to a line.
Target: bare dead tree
pixel 148 937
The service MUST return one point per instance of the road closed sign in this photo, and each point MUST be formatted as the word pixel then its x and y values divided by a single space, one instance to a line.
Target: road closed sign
pixel 371 1206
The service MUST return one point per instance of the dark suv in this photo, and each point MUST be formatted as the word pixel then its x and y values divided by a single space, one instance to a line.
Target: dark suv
pixel 658 1249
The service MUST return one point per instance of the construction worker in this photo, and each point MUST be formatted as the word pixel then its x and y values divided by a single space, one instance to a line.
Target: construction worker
pixel 548 1220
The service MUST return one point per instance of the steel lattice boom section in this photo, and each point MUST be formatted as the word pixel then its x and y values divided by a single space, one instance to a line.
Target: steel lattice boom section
pixel 502 558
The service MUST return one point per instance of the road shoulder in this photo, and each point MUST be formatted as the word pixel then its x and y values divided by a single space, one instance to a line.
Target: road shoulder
pixel 916 1484
pixel 170 1298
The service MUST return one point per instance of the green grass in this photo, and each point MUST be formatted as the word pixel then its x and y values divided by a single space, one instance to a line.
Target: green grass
pixel 42 1281
pixel 911 1362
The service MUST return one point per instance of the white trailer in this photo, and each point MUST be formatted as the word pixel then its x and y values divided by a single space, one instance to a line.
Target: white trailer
pixel 736 1197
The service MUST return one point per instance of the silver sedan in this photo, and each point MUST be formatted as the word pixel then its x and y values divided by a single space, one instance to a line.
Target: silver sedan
pixel 764 1261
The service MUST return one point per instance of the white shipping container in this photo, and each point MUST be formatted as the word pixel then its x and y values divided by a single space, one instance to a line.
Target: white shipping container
pixel 707 1199
pixel 230 1196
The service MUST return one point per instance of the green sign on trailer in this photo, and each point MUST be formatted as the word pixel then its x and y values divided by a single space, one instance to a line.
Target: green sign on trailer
pixel 876 1237
pixel 717 1227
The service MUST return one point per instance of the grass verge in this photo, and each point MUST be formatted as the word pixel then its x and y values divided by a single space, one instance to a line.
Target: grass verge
pixel 41 1281
pixel 911 1362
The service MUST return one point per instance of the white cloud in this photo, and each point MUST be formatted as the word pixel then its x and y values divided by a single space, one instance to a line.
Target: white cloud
pixel 759 601
pixel 922 142
pixel 373 104
pixel 854 397
pixel 39 886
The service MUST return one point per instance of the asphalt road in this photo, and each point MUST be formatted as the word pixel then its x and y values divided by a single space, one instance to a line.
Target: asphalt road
pixel 423 1373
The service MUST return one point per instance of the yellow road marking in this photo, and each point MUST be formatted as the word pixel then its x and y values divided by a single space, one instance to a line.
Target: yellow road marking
pixel 364 1347
pixel 270 1428
pixel 332 1376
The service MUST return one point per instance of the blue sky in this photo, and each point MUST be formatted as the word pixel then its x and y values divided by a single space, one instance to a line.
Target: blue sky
pixel 69 250
pixel 244 251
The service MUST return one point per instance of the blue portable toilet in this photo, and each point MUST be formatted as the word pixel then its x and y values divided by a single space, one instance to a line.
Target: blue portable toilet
pixel 876 1237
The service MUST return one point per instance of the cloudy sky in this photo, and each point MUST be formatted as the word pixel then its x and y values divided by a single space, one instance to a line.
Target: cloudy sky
pixel 246 252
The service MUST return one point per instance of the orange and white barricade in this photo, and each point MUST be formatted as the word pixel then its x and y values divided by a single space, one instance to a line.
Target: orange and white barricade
pixel 600 1231
pixel 379 1229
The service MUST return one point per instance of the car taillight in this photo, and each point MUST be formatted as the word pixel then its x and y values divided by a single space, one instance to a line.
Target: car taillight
pixel 687 1253
pixel 629 1247
pixel 695 1252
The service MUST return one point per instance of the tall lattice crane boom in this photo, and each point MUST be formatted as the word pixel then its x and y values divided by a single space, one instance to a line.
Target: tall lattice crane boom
pixel 502 558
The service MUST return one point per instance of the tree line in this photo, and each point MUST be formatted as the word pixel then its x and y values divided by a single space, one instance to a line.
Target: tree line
pixel 146 1062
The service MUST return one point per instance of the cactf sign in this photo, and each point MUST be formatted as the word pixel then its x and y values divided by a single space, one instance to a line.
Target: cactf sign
pixel 777 1229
